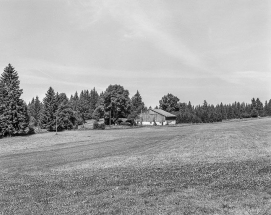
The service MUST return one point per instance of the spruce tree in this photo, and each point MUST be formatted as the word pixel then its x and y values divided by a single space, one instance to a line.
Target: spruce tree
pixel 253 104
pixel 238 113
pixel 182 107
pixel 14 117
pixel 94 98
pixel 189 107
pixel 230 112
pixel 212 116
pixel 137 105
pixel 269 108
pixel 205 112
pixel 84 106
pixel 2 106
pixel 242 110
pixel 265 109
pixel 49 110
pixel 62 98
pixel 75 101
pixel 259 107
pixel 248 109
pixel 35 109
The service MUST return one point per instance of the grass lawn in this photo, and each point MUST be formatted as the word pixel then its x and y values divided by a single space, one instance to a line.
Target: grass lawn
pixel 221 168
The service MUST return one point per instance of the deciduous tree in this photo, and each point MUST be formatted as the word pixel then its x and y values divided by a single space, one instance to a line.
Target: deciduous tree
pixel 117 102
pixel 169 103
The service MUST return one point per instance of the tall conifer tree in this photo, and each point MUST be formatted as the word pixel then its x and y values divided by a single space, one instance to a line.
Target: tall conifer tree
pixel 35 109
pixel 205 112
pixel 94 99
pixel 136 103
pixel 14 118
pixel 259 107
pixel 2 107
pixel 49 110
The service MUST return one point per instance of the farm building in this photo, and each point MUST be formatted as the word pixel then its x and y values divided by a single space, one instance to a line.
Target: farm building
pixel 156 116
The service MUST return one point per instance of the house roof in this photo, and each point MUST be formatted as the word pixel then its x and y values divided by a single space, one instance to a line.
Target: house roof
pixel 164 113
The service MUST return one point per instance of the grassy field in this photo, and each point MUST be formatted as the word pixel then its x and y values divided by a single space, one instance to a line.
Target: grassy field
pixel 221 168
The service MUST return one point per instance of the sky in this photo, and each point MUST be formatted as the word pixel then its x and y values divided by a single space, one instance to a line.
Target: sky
pixel 219 51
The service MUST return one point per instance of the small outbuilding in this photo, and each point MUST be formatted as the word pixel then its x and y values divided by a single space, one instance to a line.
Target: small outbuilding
pixel 156 116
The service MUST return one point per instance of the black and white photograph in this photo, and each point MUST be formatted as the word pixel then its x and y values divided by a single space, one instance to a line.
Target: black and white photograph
pixel 159 107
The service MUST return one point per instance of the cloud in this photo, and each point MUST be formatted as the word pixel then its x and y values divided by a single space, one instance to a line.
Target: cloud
pixel 140 20
pixel 242 77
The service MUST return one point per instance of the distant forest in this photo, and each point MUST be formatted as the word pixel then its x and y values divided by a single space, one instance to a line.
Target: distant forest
pixel 57 110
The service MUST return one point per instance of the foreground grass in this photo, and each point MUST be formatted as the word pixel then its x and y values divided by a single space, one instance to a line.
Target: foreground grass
pixel 202 169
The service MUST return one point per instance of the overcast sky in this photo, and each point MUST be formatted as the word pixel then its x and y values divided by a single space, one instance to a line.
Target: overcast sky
pixel 205 49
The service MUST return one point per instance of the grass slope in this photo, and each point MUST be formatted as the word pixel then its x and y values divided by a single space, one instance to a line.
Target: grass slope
pixel 221 168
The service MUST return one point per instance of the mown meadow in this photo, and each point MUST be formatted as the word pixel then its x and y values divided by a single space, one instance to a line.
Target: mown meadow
pixel 216 168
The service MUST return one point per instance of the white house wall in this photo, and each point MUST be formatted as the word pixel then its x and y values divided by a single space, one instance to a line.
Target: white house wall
pixel 172 122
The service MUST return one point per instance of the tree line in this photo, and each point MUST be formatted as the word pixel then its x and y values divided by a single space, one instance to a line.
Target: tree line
pixel 206 113
pixel 56 110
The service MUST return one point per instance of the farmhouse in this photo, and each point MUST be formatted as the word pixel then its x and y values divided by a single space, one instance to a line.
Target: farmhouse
pixel 156 116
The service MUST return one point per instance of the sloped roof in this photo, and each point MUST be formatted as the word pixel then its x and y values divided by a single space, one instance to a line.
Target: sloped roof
pixel 164 113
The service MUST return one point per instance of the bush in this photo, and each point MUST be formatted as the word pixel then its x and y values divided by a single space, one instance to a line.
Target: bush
pixel 98 113
pixel 131 121
pixel 196 119
pixel 95 125
pixel 245 115
pixel 98 126
pixel 102 126
pixel 125 123
pixel 31 130
pixel 254 113
pixel 119 121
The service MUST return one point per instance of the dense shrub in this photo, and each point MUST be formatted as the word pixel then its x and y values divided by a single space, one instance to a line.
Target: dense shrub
pixel 79 119
pixel 254 113
pixel 196 119
pixel 31 130
pixel 97 113
pixel 95 125
pixel 245 115
pixel 107 121
pixel 125 123
pixel 98 126
pixel 101 126
pixel 119 121
pixel 75 126
pixel 131 121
